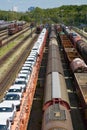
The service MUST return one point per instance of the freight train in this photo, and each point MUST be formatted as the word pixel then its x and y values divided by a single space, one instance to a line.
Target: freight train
pixel 15 27
pixel 78 69
pixel 56 108
pixel 75 60
pixel 20 94
pixel 77 41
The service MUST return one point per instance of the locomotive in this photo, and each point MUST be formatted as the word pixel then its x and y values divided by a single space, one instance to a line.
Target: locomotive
pixel 15 27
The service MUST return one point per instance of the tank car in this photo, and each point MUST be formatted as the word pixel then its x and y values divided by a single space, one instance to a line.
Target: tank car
pixel 82 49
pixel 56 103
pixel 54 57
pixel 74 37
pixel 78 65
pixel 52 35
pixel 56 117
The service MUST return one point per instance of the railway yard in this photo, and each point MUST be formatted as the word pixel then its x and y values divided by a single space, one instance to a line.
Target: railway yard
pixel 50 69
pixel 13 55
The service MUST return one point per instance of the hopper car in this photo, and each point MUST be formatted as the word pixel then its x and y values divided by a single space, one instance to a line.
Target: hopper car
pixel 77 41
pixel 79 71
pixel 81 89
pixel 80 82
pixel 75 60
pixel 56 108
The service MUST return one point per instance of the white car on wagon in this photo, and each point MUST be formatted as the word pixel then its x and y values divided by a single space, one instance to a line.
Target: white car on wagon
pixel 5 124
pixel 13 98
pixel 7 111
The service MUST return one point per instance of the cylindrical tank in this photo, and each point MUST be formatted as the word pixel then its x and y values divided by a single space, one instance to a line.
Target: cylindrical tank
pixel 56 103
pixel 56 117
pixel 82 48
pixel 78 65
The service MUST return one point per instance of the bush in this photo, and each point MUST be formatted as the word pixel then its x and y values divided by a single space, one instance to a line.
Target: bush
pixel 85 29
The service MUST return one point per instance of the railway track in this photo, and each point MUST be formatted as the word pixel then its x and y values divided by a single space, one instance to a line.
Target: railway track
pixel 3 31
pixel 6 82
pixel 81 34
pixel 5 57
pixel 5 36
pixel 2 34
pixel 7 39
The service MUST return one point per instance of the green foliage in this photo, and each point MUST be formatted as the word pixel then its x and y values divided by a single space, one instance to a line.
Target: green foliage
pixel 69 15
pixel 85 29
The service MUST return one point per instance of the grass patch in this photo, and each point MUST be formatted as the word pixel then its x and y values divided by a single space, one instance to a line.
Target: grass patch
pixel 6 48
pixel 20 37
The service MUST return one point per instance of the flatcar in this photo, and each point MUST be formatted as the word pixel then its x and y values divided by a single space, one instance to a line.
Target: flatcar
pixel 56 103
pixel 27 82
